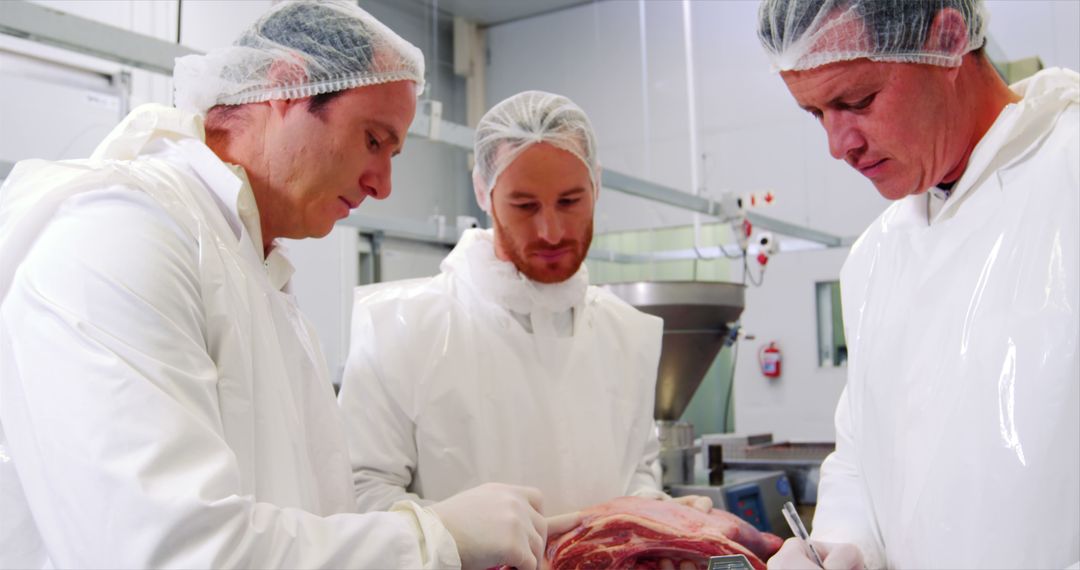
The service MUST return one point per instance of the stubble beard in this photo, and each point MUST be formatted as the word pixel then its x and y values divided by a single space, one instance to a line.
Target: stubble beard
pixel 550 273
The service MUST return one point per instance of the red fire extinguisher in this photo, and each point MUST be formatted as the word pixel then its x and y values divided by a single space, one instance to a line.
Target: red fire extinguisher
pixel 769 358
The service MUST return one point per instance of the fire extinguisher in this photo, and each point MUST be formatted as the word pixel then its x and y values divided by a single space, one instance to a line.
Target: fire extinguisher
pixel 769 358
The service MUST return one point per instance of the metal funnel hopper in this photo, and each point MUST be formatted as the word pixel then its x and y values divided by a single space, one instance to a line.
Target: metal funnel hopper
pixel 696 317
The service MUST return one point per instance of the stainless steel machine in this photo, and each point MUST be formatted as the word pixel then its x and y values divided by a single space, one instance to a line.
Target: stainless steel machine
pixel 757 497
pixel 800 460
pixel 699 320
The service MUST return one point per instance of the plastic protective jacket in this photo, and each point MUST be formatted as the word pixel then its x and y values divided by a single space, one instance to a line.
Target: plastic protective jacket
pixel 445 388
pixel 162 401
pixel 958 438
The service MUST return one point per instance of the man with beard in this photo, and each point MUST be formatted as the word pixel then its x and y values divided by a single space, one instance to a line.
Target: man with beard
pixel 507 366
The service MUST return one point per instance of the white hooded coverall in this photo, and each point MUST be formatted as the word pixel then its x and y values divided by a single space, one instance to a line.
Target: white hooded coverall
pixel 958 433
pixel 163 403
pixel 480 375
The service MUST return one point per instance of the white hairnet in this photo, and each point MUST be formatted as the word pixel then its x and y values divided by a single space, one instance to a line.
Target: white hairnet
pixel 803 34
pixel 298 49
pixel 521 121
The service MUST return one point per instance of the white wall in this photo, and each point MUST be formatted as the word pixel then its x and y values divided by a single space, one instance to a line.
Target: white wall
pixel 1025 28
pixel 59 103
pixel 157 19
pixel 40 103
pixel 797 406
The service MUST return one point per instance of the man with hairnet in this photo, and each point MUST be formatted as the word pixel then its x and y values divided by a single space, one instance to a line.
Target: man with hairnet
pixel 508 366
pixel 163 403
pixel 957 435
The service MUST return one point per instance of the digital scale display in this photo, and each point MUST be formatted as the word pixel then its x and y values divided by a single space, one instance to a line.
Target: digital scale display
pixel 733 562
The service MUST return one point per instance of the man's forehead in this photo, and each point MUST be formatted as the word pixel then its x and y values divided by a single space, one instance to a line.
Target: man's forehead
pixel 834 79
pixel 514 153
pixel 570 176
pixel 390 105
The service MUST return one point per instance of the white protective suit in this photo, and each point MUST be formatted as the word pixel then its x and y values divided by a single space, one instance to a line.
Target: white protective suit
pixel 446 387
pixel 163 403
pixel 958 434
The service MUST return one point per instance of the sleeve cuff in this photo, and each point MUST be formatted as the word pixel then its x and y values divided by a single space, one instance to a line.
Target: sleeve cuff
pixel 437 546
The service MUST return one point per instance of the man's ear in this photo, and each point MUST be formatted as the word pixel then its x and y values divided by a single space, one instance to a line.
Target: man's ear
pixel 599 184
pixel 948 33
pixel 278 107
pixel 284 74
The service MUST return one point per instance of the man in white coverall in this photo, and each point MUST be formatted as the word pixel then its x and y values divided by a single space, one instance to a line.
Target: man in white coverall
pixel 163 403
pixel 508 366
pixel 957 435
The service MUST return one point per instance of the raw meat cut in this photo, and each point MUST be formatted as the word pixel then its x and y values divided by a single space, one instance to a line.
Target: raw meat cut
pixel 632 532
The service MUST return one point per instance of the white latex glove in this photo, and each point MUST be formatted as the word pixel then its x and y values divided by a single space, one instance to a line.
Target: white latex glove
pixel 559 524
pixel 496 524
pixel 699 502
pixel 836 556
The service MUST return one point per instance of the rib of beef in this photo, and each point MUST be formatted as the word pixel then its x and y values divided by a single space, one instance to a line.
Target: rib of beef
pixel 632 532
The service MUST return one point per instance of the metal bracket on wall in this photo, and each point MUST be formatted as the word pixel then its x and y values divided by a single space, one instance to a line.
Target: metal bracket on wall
pixel 399 228
pixel 122 82
pixel 449 133
pixel 376 256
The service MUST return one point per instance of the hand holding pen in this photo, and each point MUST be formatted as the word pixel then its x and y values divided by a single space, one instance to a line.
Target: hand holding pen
pixel 798 553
